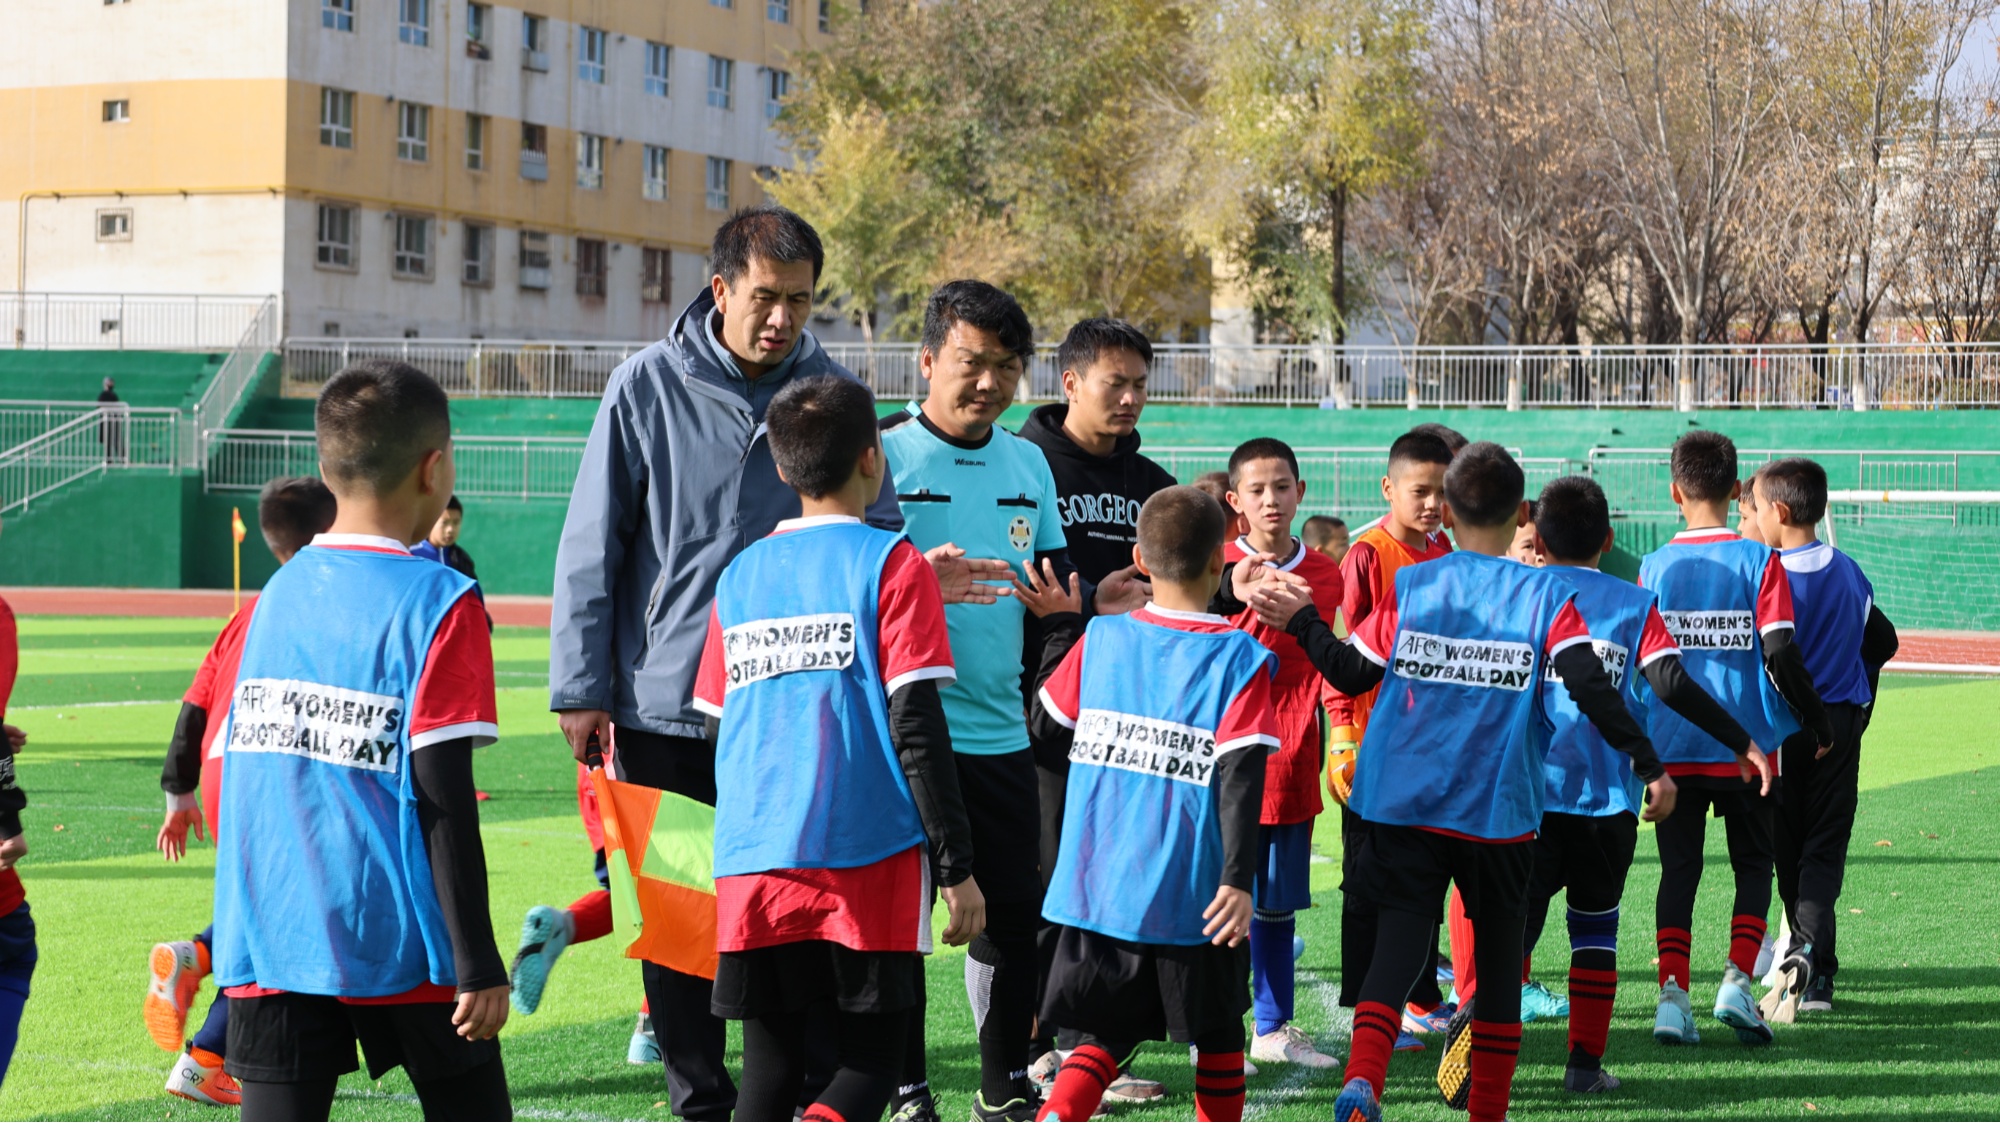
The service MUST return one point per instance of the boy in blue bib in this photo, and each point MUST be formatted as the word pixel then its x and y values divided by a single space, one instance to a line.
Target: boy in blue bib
pixel 1166 716
pixel 350 883
pixel 837 807
pixel 1450 774
pixel 1729 606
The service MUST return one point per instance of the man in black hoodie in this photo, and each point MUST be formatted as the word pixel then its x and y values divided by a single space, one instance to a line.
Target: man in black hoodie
pixel 1092 444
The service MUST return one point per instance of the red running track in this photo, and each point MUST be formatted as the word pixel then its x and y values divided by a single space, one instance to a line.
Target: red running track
pixel 532 612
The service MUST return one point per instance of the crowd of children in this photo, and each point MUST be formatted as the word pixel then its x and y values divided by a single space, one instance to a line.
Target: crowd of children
pixel 1494 713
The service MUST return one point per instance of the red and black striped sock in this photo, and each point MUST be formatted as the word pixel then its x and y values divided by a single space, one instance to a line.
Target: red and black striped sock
pixel 1218 1086
pixel 1080 1084
pixel 820 1113
pixel 1375 1029
pixel 1496 1048
pixel 1593 986
pixel 1746 939
pixel 1674 944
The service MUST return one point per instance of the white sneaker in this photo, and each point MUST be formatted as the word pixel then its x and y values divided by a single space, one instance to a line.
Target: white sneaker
pixel 1767 960
pixel 1194 1057
pixel 192 1080
pixel 1288 1044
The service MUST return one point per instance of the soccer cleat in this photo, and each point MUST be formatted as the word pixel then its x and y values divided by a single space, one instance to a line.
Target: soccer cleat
pixel 544 935
pixel 1288 1044
pixel 1017 1110
pixel 1454 1074
pixel 1298 948
pixel 190 1079
pixel 1767 960
pixel 1357 1103
pixel 1818 998
pixel 1673 1022
pixel 1194 1058
pixel 1736 1009
pixel 922 1109
pixel 1130 1089
pixel 1780 1005
pixel 1042 1072
pixel 1445 977
pixel 1538 1002
pixel 1407 1042
pixel 177 969
pixel 1589 1080
pixel 1435 1021
pixel 644 1048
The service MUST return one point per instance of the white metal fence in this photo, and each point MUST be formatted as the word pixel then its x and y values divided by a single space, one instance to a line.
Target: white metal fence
pixel 1635 480
pixel 1775 376
pixel 488 467
pixel 234 379
pixel 25 420
pixel 120 439
pixel 122 321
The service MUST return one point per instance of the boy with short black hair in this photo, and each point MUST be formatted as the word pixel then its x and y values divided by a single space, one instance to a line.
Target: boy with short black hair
pixel 1327 534
pixel 1845 639
pixel 1592 799
pixel 1728 603
pixel 1166 716
pixel 353 733
pixel 1459 648
pixel 441 544
pixel 1265 491
pixel 1748 523
pixel 826 854
pixel 290 511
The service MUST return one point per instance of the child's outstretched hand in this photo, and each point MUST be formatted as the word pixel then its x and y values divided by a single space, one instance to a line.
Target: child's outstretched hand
pixel 1228 917
pixel 16 737
pixel 173 838
pixel 1279 598
pixel 965 907
pixel 1755 766
pixel 1043 594
pixel 1660 796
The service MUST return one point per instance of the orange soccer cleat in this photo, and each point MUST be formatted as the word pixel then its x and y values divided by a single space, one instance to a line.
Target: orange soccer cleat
pixel 177 969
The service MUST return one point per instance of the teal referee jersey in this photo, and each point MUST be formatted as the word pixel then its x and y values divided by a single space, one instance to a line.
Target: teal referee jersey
pixel 993 499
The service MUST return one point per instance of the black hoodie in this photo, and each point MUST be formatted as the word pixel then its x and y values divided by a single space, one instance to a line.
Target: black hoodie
pixel 1097 496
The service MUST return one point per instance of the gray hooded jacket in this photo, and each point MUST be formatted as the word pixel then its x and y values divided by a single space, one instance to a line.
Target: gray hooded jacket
pixel 677 479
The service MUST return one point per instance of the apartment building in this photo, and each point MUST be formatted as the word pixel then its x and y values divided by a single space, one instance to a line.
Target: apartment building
pixel 437 168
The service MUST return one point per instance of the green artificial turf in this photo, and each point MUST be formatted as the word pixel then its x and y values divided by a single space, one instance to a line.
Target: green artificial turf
pixel 1916 1034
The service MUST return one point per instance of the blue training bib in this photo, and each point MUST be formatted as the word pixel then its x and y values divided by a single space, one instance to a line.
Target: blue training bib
pixel 1585 775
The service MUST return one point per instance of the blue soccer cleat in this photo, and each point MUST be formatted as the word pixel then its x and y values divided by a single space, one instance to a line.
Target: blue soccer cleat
pixel 1357 1103
pixel 1673 1023
pixel 544 935
pixel 1735 1008
pixel 1407 1042
pixel 1538 1002
pixel 1298 948
pixel 1433 1022
pixel 644 1048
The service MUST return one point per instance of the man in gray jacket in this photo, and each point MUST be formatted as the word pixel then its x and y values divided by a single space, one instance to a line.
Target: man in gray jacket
pixel 677 479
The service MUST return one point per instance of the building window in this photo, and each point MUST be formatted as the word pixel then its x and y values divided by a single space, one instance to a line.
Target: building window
pixel 655 275
pixel 114 225
pixel 721 80
pixel 336 237
pixel 534 259
pixel 589 55
pixel 534 42
pixel 777 86
pixel 413 22
pixel 589 267
pixel 478 253
pixel 413 131
pixel 118 110
pixel 475 142
pixel 589 161
pixel 534 151
pixel 336 117
pixel 413 246
pixel 826 17
pixel 778 11
pixel 479 31
pixel 722 3
pixel 337 15
pixel 718 183
pixel 659 63
pixel 656 173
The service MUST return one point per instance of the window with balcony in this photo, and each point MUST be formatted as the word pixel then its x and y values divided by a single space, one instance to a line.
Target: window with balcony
pixel 478 265
pixel 721 81
pixel 534 259
pixel 413 22
pixel 413 132
pixel 589 161
pixel 336 15
pixel 590 267
pixel 534 151
pixel 336 236
pixel 336 117
pixel 475 141
pixel 777 87
pixel 413 246
pixel 718 183
pixel 659 68
pixel 655 186
pixel 534 42
pixel 590 47
pixel 479 31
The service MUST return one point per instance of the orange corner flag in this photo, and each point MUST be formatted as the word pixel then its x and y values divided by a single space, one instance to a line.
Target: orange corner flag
pixel 236 524
pixel 660 850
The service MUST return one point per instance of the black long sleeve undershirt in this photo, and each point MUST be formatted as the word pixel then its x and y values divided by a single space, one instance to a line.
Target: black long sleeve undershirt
pixel 12 798
pixel 448 814
pixel 1879 644
pixel 918 729
pixel 1595 695
pixel 1785 662
pixel 1239 774
pixel 1683 695
pixel 181 774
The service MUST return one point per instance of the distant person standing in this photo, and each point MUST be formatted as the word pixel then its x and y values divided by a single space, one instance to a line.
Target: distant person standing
pixel 111 423
pixel 442 543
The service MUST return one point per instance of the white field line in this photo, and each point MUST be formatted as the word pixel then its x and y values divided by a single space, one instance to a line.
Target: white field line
pixel 410 1099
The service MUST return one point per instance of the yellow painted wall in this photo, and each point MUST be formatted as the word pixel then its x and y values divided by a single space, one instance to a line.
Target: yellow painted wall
pixel 182 134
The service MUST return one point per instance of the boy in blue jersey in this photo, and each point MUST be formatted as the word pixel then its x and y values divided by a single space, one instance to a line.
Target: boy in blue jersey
pixel 351 884
pixel 1167 720
pixel 829 834
pixel 1450 773
pixel 965 483
pixel 1729 607
pixel 1845 639
pixel 1590 811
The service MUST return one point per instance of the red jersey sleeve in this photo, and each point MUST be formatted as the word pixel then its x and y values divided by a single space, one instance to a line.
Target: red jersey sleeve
pixel 1062 695
pixel 711 679
pixel 1568 629
pixel 207 690
pixel 1360 572
pixel 10 655
pixel 455 695
pixel 1250 718
pixel 1655 641
pixel 1376 636
pixel 912 640
pixel 1774 597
